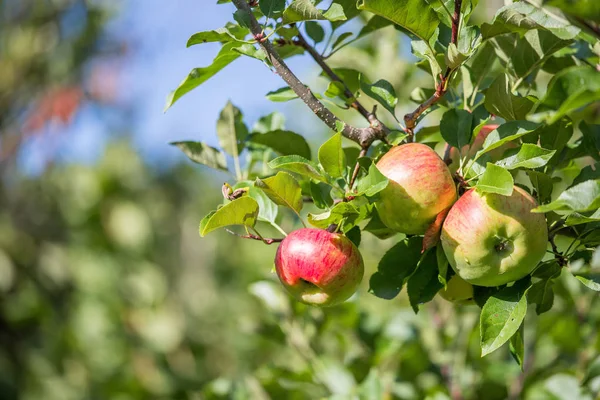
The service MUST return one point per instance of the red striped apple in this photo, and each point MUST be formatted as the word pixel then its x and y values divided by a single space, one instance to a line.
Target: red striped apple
pixel 420 187
pixel 491 239
pixel 318 267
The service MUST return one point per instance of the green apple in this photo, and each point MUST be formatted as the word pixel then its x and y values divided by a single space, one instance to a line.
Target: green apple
pixel 420 187
pixel 458 291
pixel 318 267
pixel 490 239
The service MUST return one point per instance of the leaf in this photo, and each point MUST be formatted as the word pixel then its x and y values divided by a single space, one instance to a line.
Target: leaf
pixel 529 156
pixel 568 91
pixel 378 228
pixel 338 41
pixel 231 130
pixel 202 153
pixel 354 235
pixel 584 9
pixel 283 189
pixel 321 194
pixel 416 16
pixel 542 184
pixel 332 156
pixel 578 219
pixel 582 197
pixel 381 91
pixel 298 165
pixel 374 24
pixel 315 31
pixel 556 137
pixel 397 264
pixel 517 345
pixel 282 94
pixel 533 50
pixel 371 184
pixel 341 212
pixel 242 211
pixel 587 270
pixel 271 122
pixel 500 101
pixel 422 50
pixel 454 58
pixel 200 75
pixel 456 127
pixel 442 263
pixel 267 209
pixel 505 133
pixel 496 179
pixel 502 315
pixel 222 35
pixel 283 142
pixel 423 284
pixel 271 8
pixel 304 10
pixel 251 51
pixel 521 17
pixel 591 139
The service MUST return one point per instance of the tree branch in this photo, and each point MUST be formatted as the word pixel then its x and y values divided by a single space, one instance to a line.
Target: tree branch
pixel 255 237
pixel 411 119
pixel 369 116
pixel 362 136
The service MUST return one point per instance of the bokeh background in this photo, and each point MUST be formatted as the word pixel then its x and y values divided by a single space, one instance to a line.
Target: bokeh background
pixel 108 292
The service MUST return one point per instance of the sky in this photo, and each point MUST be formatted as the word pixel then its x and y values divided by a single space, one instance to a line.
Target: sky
pixel 156 32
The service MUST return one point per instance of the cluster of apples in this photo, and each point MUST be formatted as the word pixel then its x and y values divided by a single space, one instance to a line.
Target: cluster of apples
pixel 489 239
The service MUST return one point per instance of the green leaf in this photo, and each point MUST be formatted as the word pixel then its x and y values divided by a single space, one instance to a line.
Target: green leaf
pixel 371 184
pixel 271 122
pixel 568 91
pixel 423 284
pixel 283 142
pixel 231 130
pixel 456 127
pixel 222 35
pixel 442 264
pixel 584 9
pixel 267 209
pixel 416 16
pixel 200 75
pixel 315 31
pixel 332 156
pixel 282 94
pixel 422 50
pixel 542 184
pixel 517 345
pixel 251 51
pixel 378 228
pixel 202 153
pixel 502 315
pixel 374 24
pixel 338 41
pixel 344 212
pixel 354 235
pixel 582 197
pixel 505 133
pixel 496 179
pixel 500 101
pixel 587 269
pixel 521 17
pixel 283 189
pixel 304 10
pixel 578 219
pixel 394 268
pixel 556 137
pixel 321 194
pixel 382 91
pixel 242 211
pixel 454 58
pixel 529 156
pixel 591 139
pixel 533 50
pixel 272 8
pixel 298 165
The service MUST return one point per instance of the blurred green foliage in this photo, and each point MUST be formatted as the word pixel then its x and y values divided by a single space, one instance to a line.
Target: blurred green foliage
pixel 107 292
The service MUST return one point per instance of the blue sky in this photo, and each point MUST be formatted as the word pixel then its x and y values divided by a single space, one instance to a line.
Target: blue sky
pixel 157 32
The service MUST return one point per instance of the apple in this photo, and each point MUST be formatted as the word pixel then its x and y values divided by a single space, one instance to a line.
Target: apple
pixel 458 291
pixel 490 239
pixel 420 187
pixel 318 267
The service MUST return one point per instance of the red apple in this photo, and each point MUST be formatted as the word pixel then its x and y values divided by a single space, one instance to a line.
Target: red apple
pixel 420 187
pixel 491 239
pixel 318 267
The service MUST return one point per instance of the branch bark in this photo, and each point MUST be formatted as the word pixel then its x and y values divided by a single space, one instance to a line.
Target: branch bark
pixel 411 119
pixel 362 136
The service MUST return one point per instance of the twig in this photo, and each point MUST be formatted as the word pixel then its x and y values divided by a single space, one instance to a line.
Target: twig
pixel 560 258
pixel 369 116
pixel 411 118
pixel 255 237
pixel 362 136
pixel 363 152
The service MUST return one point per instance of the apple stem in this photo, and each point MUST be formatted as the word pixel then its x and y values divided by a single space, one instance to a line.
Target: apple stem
pixel 256 237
